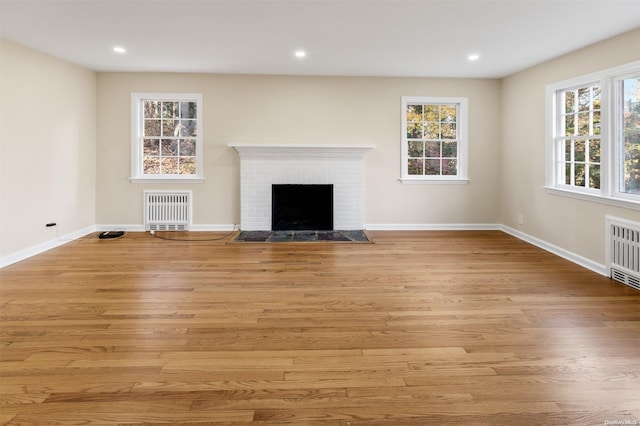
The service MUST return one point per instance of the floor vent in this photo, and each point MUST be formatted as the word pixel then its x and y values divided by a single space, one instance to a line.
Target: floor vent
pixel 625 278
pixel 623 251
pixel 167 210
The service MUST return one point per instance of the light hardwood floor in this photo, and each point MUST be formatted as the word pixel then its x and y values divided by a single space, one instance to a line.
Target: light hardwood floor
pixel 418 328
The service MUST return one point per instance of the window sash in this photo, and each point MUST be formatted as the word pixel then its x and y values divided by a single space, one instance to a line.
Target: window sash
pixel 434 142
pixel 175 151
pixel 576 165
pixel 618 129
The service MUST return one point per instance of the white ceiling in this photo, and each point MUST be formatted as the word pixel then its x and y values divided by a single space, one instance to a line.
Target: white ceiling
pixel 422 38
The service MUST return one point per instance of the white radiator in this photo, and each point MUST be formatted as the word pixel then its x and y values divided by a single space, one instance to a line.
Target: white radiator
pixel 623 251
pixel 167 210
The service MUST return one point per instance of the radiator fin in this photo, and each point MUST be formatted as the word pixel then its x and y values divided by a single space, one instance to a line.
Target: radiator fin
pixel 624 251
pixel 167 211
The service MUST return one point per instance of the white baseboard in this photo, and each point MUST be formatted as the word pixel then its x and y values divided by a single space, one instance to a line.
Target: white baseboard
pixel 432 227
pixel 47 245
pixel 558 251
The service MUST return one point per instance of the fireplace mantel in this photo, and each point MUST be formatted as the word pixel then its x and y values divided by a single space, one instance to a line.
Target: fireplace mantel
pixel 302 150
pixel 263 165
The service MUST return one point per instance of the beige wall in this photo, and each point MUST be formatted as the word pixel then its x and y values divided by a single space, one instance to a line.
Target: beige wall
pixel 574 225
pixel 78 166
pixel 47 143
pixel 284 109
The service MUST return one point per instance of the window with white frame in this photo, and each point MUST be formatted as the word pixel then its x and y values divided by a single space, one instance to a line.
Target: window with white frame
pixel 166 137
pixel 579 139
pixel 627 133
pixel 593 143
pixel 434 140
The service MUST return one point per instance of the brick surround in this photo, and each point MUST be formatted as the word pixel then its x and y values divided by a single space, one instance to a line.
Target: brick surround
pixel 264 165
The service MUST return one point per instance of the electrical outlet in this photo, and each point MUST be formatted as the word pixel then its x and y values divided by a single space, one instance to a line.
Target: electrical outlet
pixel 520 219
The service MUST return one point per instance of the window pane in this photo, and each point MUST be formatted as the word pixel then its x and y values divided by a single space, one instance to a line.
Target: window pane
pixel 188 110
pixel 432 149
pixel 416 149
pixel 567 173
pixel 449 167
pixel 569 102
pixel 414 130
pixel 151 147
pixel 594 150
pixel 450 149
pixel 569 125
pixel 432 167
pixel 152 128
pixel 448 131
pixel 579 150
pixel 596 122
pixel 152 109
pixel 188 147
pixel 414 112
pixel 631 130
pixel 432 113
pixel 170 109
pixel 567 150
pixel 432 131
pixel 169 166
pixel 583 124
pixel 415 167
pixel 169 147
pixel 169 127
pixel 596 97
pixel 579 178
pixel 594 176
pixel 188 128
pixel 584 99
pixel 187 165
pixel 151 165
pixel 448 113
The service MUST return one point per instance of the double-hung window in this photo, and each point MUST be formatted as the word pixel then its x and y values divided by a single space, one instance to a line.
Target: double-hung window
pixel 579 137
pixel 434 140
pixel 593 142
pixel 166 137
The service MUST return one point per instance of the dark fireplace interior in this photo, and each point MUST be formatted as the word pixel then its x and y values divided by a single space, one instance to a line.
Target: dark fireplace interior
pixel 302 207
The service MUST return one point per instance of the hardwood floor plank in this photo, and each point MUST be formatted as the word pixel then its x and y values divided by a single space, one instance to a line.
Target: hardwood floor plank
pixel 429 327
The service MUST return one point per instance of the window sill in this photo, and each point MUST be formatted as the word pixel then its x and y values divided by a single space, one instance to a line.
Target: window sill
pixel 453 181
pixel 165 179
pixel 617 202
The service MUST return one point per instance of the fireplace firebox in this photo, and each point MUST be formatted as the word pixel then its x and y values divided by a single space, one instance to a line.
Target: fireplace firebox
pixel 302 207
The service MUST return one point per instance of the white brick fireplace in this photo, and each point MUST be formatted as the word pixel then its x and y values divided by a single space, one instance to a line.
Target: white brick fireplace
pixel 264 165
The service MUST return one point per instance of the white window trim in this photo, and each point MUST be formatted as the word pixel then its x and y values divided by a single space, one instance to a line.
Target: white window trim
pixel 137 133
pixel 463 152
pixel 610 162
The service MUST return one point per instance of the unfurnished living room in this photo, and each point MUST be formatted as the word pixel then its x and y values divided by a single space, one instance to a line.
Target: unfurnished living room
pixel 343 212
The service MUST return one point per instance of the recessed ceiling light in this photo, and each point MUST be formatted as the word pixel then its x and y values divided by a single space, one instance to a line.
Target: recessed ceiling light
pixel 119 49
pixel 473 57
pixel 300 53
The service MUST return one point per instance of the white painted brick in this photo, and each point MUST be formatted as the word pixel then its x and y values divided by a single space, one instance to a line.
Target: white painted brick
pixel 312 165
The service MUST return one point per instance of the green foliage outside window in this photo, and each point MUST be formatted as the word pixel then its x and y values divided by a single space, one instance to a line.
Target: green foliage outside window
pixel 432 139
pixel 581 112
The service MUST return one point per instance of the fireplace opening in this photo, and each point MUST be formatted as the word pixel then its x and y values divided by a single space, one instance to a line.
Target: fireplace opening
pixel 302 207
